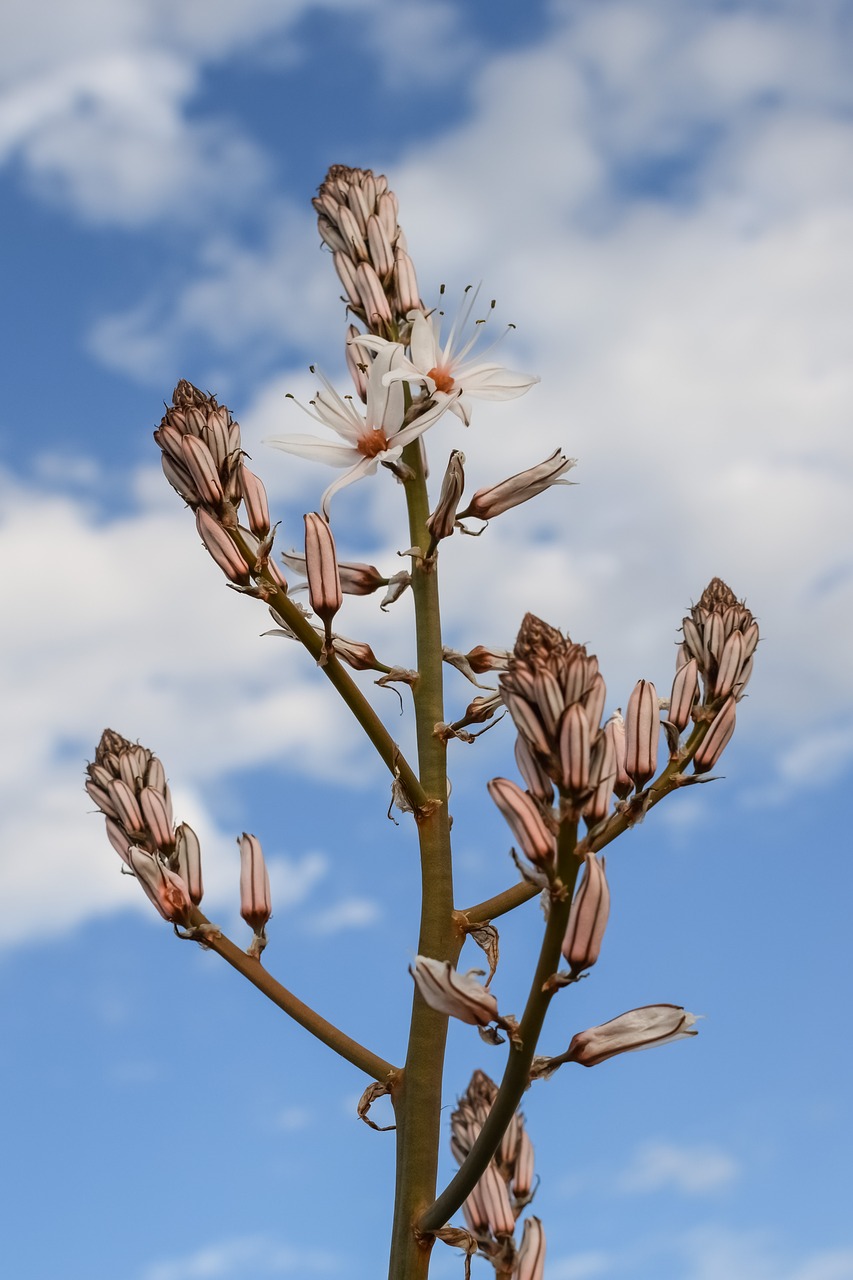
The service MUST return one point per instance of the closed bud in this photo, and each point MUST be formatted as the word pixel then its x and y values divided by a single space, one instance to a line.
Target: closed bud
pixel 405 283
pixel 643 1028
pixel 255 905
pixel 457 994
pixel 530 1262
pixel 574 751
pixel 443 520
pixel 525 821
pixel 163 887
pixel 321 565
pixel 221 549
pixel 200 463
pixel 539 784
pixel 602 776
pixel 482 659
pixel 615 730
pixel 642 730
pixel 255 499
pixel 188 859
pixel 374 303
pixel 157 818
pixel 588 917
pixel 488 503
pixel 685 691
pixel 717 738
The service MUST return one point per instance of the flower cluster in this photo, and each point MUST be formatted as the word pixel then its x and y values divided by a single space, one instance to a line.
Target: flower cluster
pixel 128 784
pixel 494 1206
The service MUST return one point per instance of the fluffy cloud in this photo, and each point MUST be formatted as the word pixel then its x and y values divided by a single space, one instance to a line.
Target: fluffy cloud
pixel 228 1259
pixel 661 1166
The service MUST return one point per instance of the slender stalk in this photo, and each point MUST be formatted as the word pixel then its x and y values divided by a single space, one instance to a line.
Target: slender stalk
pixel 335 673
pixel 517 1073
pixel 374 1066
pixel 417 1095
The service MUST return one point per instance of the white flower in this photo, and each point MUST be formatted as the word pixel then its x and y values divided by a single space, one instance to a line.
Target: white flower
pixel 379 436
pixel 445 368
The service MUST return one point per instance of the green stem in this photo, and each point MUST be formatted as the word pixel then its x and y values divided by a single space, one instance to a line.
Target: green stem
pixel 374 1066
pixel 417 1094
pixel 517 1073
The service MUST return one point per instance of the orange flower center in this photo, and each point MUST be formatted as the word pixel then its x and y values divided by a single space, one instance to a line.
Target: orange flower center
pixel 372 442
pixel 442 379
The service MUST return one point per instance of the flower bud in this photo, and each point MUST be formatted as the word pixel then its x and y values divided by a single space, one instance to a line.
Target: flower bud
pixel 574 751
pixel 255 905
pixel 188 859
pixel 717 738
pixel 488 503
pixel 201 465
pixel 443 520
pixel 525 822
pixel 220 547
pixel 642 730
pixel 615 730
pixel 539 784
pixel 530 1262
pixel 588 917
pixel 637 1029
pixel 324 583
pixel 255 499
pixel 685 691
pixel 163 887
pixel 457 994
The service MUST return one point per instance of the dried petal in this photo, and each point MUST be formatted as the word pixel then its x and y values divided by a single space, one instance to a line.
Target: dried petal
pixel 456 994
pixel 642 1028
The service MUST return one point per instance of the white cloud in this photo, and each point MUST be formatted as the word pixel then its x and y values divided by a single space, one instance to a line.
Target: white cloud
pixel 691 1170
pixel 350 913
pixel 233 1259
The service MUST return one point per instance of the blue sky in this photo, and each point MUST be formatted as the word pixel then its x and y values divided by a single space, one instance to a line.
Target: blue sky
pixel 660 196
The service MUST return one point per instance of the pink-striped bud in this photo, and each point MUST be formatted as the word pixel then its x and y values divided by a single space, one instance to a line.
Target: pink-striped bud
pixel 525 821
pixel 685 691
pixel 588 917
pixel 574 751
pixel 717 738
pixel 642 730
pixel 188 859
pixel 615 730
pixel 443 520
pixel 201 465
pixel 374 302
pixel 127 810
pixel 345 268
pixel 157 817
pixel 643 1028
pixel 163 887
pixel 491 502
pixel 487 1209
pixel 459 995
pixel 255 499
pixel 321 565
pixel 220 547
pixel 255 905
pixel 530 1262
pixel 405 283
pixel 539 784
pixel 602 776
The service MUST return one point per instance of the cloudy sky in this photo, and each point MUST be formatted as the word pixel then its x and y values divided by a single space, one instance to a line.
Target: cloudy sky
pixel 660 197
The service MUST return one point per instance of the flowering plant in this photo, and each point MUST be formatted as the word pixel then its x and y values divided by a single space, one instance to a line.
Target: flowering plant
pixel 584 780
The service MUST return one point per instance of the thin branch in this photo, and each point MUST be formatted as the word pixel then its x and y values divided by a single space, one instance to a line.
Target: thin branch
pixel 370 1063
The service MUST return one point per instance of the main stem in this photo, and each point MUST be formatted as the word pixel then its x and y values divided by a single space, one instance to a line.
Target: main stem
pixel 417 1094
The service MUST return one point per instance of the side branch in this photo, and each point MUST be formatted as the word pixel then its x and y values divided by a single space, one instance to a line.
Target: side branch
pixel 370 1063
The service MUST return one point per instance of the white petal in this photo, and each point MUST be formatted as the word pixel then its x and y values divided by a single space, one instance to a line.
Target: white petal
pixel 364 467
pixel 423 343
pixel 334 455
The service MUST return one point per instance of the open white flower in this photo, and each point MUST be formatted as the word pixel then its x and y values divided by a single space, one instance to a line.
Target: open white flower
pixel 445 368
pixel 379 436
